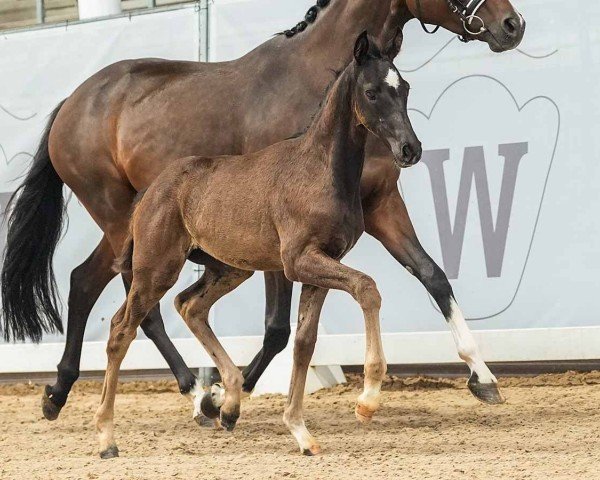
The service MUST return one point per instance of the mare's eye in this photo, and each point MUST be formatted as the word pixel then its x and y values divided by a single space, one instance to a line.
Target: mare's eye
pixel 370 94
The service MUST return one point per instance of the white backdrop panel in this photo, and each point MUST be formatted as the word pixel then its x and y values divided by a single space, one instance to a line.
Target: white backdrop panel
pixel 541 99
pixel 513 132
pixel 38 69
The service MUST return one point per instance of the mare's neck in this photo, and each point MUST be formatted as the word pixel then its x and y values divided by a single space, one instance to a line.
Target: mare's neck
pixel 336 132
pixel 327 41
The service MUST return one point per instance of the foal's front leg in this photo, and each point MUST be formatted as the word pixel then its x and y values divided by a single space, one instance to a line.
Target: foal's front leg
pixel 316 268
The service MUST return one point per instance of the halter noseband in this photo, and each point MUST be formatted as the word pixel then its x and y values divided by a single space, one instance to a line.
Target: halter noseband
pixel 467 12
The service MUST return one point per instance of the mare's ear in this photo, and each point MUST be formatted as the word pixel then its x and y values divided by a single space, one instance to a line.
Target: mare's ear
pixel 361 48
pixel 393 46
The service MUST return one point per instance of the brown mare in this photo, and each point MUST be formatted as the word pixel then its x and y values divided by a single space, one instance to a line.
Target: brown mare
pixel 126 123
pixel 293 207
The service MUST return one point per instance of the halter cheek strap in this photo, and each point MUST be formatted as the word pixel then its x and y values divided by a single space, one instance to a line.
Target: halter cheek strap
pixel 466 10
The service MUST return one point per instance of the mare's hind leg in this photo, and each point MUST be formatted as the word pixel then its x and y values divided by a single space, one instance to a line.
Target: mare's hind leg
pixel 88 280
pixel 154 328
pixel 318 269
pixel 194 304
pixel 278 291
pixel 389 222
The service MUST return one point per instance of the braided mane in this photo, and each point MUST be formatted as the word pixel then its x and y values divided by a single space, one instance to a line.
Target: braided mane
pixel 310 17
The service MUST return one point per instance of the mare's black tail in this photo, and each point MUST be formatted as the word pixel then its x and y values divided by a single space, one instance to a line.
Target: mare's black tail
pixel 30 304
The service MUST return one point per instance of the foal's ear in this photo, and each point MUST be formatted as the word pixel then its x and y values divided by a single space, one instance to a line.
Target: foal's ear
pixel 361 48
pixel 392 48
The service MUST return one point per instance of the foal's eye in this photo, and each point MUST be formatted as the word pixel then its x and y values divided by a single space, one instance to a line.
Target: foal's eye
pixel 370 94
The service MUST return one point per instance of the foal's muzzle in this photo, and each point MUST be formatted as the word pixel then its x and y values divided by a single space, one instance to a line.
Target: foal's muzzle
pixel 407 154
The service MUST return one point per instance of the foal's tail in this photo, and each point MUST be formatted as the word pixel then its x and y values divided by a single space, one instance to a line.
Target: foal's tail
pixel 124 263
pixel 29 293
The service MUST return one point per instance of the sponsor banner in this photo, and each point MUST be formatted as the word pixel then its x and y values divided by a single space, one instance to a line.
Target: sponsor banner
pixel 39 68
pixel 505 199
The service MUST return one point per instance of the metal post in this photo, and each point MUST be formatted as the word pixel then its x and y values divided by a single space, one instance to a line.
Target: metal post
pixel 151 3
pixel 40 11
pixel 204 33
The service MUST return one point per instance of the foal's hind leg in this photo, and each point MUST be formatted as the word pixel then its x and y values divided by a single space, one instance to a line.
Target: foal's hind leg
pixel 390 224
pixel 278 290
pixel 149 284
pixel 194 304
pixel 88 280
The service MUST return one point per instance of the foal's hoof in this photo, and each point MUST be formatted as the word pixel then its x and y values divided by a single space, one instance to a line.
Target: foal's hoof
pixel 208 408
pixel 312 451
pixel 110 452
pixel 363 413
pixel 487 393
pixel 228 421
pixel 50 409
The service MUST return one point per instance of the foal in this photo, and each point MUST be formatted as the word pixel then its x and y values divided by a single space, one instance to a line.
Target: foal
pixel 294 206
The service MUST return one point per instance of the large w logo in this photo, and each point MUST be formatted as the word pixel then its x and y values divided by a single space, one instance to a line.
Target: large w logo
pixel 473 169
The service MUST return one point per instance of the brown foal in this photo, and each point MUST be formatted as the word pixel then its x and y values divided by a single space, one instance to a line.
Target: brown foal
pixel 294 206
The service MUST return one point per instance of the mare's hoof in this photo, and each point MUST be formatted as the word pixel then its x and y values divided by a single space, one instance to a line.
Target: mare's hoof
pixel 312 451
pixel 208 408
pixel 50 409
pixel 204 421
pixel 228 421
pixel 363 414
pixel 110 452
pixel 487 393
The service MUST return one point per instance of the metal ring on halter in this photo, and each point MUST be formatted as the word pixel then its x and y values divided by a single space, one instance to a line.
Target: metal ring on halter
pixel 468 20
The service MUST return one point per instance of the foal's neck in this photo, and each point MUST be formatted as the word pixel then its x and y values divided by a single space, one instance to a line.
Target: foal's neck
pixel 338 25
pixel 336 131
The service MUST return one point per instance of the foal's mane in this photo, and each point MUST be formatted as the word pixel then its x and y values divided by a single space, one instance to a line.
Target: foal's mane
pixel 310 17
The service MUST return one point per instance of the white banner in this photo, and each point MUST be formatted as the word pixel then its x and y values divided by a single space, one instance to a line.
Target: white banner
pixel 38 69
pixel 505 200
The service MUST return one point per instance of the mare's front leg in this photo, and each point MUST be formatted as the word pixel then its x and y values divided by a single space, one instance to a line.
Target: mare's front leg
pixel 278 290
pixel 316 268
pixel 386 218
pixel 194 304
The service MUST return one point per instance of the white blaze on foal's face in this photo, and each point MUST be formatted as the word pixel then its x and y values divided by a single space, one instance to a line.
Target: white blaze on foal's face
pixel 392 78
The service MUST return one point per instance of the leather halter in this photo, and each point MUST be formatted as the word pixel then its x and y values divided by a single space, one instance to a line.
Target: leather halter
pixel 467 12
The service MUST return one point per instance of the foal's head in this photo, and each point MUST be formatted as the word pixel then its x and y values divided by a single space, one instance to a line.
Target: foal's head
pixel 380 99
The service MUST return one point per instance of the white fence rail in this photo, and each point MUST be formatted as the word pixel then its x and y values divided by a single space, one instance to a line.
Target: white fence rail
pixel 551 344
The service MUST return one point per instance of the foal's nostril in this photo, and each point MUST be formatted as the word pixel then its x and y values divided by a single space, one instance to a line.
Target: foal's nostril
pixel 406 150
pixel 511 26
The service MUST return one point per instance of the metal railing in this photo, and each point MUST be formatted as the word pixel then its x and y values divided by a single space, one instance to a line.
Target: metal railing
pixel 50 12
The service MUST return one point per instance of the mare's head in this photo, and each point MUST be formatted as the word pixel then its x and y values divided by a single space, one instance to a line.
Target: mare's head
pixel 495 22
pixel 380 99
